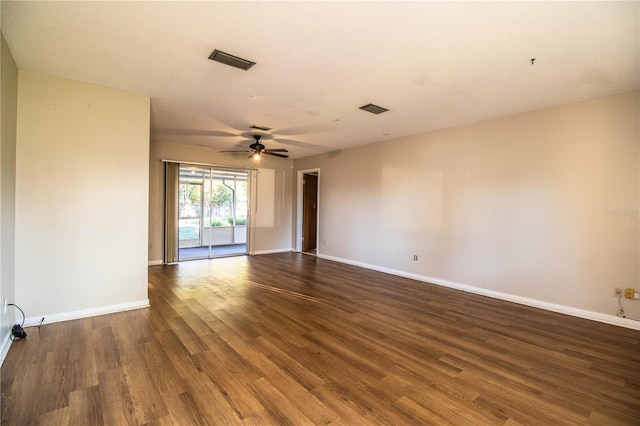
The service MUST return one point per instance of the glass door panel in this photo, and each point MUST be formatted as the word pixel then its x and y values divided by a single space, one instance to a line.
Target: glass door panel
pixel 242 208
pixel 229 213
pixel 189 214
pixel 190 211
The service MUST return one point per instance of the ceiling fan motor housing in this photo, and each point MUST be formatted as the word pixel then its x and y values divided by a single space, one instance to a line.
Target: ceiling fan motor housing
pixel 259 149
pixel 257 146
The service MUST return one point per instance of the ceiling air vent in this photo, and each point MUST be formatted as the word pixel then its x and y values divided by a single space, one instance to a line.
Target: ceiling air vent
pixel 233 61
pixel 374 109
pixel 263 128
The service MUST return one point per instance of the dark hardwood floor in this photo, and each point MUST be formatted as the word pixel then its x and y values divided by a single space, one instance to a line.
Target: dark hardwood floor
pixel 291 339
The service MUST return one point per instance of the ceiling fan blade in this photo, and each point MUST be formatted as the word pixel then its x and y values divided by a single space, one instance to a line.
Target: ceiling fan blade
pixel 275 155
pixel 304 145
pixel 234 151
pixel 190 132
pixel 322 127
pixel 276 150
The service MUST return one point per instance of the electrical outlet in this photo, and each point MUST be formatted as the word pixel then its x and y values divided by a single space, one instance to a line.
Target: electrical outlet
pixel 415 257
pixel 617 292
pixel 628 293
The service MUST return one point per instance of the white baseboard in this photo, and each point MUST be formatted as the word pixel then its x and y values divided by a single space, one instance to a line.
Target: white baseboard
pixel 568 310
pixel 5 348
pixel 85 313
pixel 283 250
pixel 155 262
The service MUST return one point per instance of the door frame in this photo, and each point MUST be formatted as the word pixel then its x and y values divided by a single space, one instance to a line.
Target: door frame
pixel 299 214
pixel 212 168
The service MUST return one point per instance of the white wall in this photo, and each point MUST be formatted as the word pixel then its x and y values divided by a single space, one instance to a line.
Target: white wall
pixel 271 230
pixel 81 198
pixel 8 103
pixel 541 206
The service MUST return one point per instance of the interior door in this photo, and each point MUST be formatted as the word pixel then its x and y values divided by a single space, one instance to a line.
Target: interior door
pixel 310 213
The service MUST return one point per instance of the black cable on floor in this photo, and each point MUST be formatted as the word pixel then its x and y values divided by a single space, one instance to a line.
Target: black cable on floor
pixel 17 331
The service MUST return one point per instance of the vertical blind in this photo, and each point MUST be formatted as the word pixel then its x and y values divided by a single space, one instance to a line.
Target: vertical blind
pixel 171 185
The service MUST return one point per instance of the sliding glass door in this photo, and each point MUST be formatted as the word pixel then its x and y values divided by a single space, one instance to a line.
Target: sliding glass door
pixel 212 208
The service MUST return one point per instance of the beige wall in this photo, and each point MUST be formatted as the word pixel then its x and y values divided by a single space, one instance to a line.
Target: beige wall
pixel 271 229
pixel 8 104
pixel 81 198
pixel 539 207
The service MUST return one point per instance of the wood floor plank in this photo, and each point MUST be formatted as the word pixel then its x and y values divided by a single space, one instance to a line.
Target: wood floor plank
pixel 212 408
pixel 187 336
pixel 179 356
pixel 289 364
pixel 280 409
pixel 292 339
pixel 413 409
pixel 55 418
pixel 278 378
pixel 187 411
pixel 85 407
pixel 231 383
pixel 103 345
pixel 116 398
pixel 164 374
pixel 349 410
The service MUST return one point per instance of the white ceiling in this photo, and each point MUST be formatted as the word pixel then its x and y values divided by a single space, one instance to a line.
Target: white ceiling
pixel 432 64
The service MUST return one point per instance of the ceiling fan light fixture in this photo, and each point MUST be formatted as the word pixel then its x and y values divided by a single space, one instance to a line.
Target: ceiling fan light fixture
pixel 231 60
pixel 256 150
pixel 374 109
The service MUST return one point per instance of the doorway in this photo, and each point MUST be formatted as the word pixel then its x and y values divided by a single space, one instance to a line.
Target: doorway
pixel 212 212
pixel 308 211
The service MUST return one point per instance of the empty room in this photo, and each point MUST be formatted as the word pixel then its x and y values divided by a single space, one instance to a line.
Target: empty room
pixel 331 212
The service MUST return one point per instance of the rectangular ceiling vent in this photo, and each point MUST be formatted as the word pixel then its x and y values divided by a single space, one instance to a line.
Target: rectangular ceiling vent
pixel 233 61
pixel 374 109
pixel 263 128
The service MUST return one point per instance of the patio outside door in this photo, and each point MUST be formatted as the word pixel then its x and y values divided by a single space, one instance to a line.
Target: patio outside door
pixel 213 208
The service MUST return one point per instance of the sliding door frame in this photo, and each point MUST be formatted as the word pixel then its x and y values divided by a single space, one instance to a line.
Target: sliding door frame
pixel 250 235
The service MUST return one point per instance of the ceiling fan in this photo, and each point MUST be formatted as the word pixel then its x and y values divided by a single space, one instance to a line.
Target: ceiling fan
pixel 256 149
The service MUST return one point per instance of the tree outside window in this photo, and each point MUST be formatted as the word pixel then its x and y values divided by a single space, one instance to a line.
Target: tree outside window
pixel 224 193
